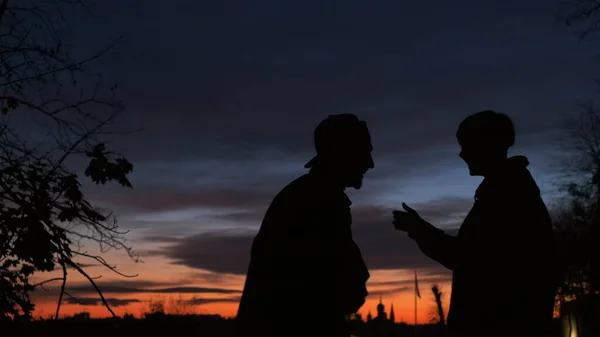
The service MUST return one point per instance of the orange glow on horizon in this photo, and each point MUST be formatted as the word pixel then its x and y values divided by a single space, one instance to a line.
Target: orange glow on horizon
pixel 403 309
pixel 47 309
pixel 403 303
pixel 395 286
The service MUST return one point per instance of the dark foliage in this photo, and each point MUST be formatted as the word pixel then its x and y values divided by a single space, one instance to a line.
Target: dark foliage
pixel 55 116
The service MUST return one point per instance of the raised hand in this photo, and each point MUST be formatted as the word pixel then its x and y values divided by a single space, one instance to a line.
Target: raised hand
pixel 406 220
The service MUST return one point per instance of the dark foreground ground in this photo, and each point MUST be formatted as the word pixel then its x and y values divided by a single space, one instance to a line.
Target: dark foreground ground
pixel 194 325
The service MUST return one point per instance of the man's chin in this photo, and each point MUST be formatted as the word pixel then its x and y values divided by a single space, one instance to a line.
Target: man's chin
pixel 356 184
pixel 474 172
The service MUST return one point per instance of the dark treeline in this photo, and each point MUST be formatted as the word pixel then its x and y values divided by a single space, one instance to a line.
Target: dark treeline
pixel 196 325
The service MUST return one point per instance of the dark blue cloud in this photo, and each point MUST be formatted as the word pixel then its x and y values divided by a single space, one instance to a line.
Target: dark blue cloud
pixel 229 93
pixel 215 78
pixel 382 247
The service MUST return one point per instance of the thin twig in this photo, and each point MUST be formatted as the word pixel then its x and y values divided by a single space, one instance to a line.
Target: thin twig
pixel 91 280
pixel 62 288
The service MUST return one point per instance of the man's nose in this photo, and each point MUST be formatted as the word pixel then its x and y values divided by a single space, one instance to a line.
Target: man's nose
pixel 371 162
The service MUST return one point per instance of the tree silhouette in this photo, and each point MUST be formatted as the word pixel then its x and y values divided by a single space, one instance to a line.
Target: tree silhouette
pixel 156 307
pixel 578 222
pixel 55 115
pixel 180 306
pixel 170 305
pixel 582 15
pixel 576 218
pixel 437 295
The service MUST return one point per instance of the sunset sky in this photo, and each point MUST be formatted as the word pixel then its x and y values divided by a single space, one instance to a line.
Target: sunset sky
pixel 229 92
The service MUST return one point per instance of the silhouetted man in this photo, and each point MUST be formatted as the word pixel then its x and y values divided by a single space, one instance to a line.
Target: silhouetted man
pixel 306 273
pixel 503 280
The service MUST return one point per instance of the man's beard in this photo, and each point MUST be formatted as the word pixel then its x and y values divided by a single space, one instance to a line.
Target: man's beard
pixel 356 183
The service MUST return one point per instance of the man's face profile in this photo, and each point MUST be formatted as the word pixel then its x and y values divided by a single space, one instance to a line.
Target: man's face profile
pixel 476 152
pixel 359 160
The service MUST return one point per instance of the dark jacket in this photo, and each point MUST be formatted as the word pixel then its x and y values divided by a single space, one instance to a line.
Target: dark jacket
pixel 504 282
pixel 305 273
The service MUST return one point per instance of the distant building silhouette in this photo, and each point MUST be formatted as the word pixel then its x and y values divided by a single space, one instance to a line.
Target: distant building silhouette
pixel 381 314
pixel 381 325
pixel 81 316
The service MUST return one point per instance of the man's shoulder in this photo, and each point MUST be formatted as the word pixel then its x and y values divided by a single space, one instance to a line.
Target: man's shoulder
pixel 511 187
pixel 306 191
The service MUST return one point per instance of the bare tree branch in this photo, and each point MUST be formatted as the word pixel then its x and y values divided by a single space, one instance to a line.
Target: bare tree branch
pixel 62 289
pixel 82 272
pixel 44 216
pixel 582 15
pixel 577 214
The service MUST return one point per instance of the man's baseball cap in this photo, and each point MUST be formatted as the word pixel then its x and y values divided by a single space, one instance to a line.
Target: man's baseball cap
pixel 339 132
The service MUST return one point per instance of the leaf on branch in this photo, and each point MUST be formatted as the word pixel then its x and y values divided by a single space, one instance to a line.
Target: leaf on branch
pixel 44 214
pixel 10 103
pixel 101 170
